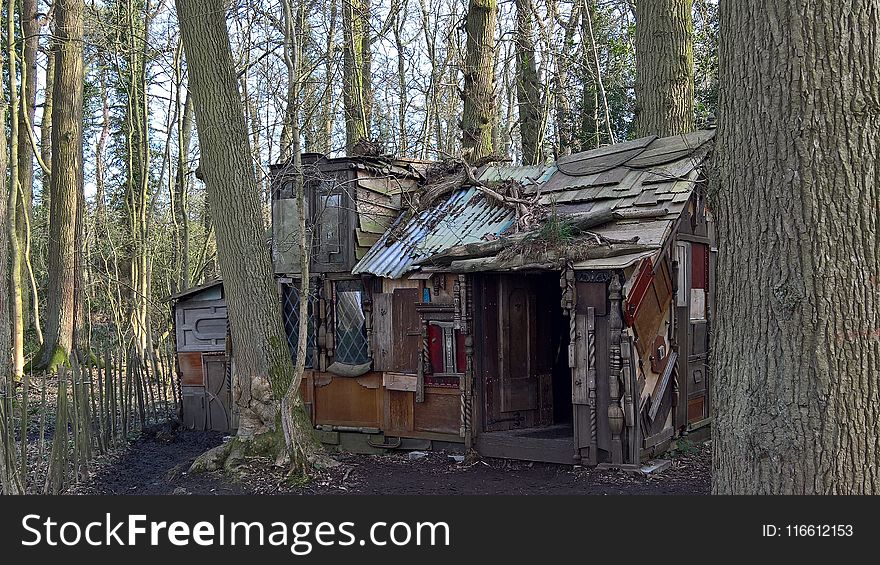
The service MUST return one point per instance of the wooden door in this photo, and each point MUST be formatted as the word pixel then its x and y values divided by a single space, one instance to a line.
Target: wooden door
pixel 217 396
pixel 518 378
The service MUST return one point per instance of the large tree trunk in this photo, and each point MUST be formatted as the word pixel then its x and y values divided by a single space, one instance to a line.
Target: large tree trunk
pixel 528 89
pixel 796 182
pixel 478 116
pixel 66 183
pixel 664 67
pixel 262 365
pixel 357 86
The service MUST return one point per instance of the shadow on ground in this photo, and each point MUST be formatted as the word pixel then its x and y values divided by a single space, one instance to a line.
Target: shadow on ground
pixel 157 463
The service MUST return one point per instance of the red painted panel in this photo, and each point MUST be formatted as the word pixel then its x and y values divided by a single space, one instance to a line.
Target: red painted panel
pixel 699 266
pixel 435 348
pixel 639 289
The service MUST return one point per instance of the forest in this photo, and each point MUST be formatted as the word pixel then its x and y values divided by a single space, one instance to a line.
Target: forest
pixel 143 139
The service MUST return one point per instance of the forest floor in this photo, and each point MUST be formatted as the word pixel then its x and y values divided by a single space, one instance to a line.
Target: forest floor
pixel 157 463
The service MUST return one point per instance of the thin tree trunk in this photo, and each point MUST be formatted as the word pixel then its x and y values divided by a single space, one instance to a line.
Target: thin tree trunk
pixel 15 285
pixel 480 108
pixel 46 123
pixel 664 67
pixel 795 187
pixel 30 28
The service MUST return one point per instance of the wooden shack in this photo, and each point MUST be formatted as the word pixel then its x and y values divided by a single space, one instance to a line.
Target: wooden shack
pixel 580 336
pixel 200 329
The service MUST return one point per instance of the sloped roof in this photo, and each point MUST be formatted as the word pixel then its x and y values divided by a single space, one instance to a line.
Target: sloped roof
pixel 651 173
pixel 465 216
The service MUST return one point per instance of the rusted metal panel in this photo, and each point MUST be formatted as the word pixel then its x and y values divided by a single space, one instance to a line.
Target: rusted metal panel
pixel 190 364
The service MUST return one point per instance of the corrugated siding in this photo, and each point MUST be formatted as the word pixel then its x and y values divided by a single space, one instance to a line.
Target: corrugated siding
pixel 466 216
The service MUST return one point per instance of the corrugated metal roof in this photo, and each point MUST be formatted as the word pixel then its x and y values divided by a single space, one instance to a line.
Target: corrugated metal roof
pixel 465 216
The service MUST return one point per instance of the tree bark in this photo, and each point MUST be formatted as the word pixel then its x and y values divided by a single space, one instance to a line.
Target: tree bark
pixel 262 366
pixel 795 186
pixel 66 183
pixel 30 27
pixel 528 89
pixel 15 263
pixel 46 124
pixel 664 41
pixel 478 116
pixel 357 86
pixel 5 298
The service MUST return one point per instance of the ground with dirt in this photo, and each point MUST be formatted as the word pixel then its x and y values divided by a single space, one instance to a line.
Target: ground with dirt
pixel 157 463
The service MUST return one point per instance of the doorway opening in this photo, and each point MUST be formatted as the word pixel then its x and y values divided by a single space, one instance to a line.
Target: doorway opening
pixel 526 381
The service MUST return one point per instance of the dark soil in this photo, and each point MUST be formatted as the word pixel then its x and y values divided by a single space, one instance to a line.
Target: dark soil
pixel 157 463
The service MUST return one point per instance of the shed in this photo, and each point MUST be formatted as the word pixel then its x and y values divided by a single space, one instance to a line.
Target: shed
pixel 200 330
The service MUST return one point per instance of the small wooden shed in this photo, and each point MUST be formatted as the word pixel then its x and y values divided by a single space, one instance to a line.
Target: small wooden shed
pixel 200 329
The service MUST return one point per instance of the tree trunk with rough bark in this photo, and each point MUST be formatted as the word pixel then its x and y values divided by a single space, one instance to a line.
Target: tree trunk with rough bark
pixel 664 67
pixel 480 108
pixel 66 183
pixel 357 86
pixel 528 89
pixel 262 366
pixel 796 182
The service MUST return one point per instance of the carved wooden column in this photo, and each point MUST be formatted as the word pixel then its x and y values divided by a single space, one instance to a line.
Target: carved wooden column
pixel 615 412
pixel 367 282
pixel 591 384
pixel 423 360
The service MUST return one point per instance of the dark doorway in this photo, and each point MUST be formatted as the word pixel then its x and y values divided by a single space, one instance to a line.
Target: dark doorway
pixel 523 364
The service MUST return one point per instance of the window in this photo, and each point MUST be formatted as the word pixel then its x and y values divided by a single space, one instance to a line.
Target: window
pixel 330 221
pixel 351 327
pixel 446 355
pixel 290 314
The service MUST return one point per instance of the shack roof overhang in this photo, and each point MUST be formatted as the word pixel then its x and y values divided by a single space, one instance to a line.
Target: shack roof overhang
pixel 644 184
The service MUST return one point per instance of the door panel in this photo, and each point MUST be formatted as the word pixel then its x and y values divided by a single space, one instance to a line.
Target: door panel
pixel 216 392
pixel 519 381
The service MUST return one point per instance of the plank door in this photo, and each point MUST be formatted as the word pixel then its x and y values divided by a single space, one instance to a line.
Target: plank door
pixel 216 392
pixel 518 371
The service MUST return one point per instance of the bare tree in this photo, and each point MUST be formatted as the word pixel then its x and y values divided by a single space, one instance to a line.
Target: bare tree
pixel 261 359
pixel 66 183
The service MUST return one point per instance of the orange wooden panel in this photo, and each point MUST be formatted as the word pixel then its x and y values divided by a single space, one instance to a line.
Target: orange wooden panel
pixel 696 409
pixel 191 368
pixel 399 412
pixel 343 401
pixel 440 412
